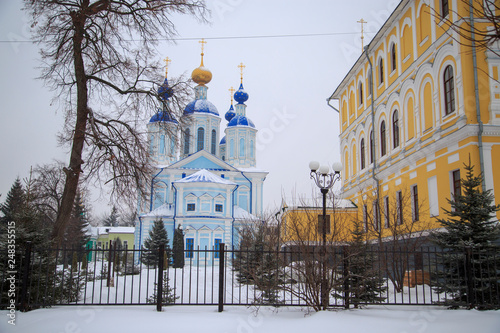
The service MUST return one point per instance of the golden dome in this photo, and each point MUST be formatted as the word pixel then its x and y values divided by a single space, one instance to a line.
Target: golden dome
pixel 201 75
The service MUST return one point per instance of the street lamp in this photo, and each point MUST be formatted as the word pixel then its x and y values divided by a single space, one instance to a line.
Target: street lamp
pixel 324 179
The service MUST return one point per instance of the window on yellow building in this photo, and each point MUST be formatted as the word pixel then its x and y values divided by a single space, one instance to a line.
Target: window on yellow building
pixel 376 216
pixel 371 147
pixel 393 57
pixel 360 93
pixel 395 129
pixel 320 224
pixel 399 207
pixel 445 8
pixel 365 218
pixel 449 90
pixel 362 152
pixel 380 71
pixel 414 200
pixel 383 145
pixel 386 211
pixel 369 82
pixel 456 183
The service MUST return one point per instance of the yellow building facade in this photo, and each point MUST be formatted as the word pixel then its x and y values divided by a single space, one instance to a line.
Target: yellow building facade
pixel 406 134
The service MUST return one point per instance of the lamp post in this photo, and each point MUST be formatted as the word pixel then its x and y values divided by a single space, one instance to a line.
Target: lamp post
pixel 324 179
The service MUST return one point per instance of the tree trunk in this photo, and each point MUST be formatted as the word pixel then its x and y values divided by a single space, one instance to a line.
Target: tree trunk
pixel 75 164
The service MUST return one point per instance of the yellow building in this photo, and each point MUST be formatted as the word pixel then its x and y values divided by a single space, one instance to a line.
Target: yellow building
pixel 106 234
pixel 406 135
pixel 301 224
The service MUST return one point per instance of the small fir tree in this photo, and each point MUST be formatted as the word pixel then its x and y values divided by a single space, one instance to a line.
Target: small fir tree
pixel 112 219
pixel 14 204
pixel 157 236
pixel 168 293
pixel 178 248
pixel 470 227
pixel 76 236
pixel 363 280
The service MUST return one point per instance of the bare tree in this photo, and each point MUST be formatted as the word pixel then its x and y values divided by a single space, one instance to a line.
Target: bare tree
pixel 302 233
pixel 397 226
pixel 97 56
pixel 479 27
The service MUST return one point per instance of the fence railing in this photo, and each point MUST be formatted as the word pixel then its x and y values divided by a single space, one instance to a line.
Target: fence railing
pixel 291 277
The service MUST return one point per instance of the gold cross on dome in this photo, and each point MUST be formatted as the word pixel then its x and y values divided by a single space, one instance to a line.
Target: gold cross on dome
pixel 167 62
pixel 362 31
pixel 231 91
pixel 241 66
pixel 202 42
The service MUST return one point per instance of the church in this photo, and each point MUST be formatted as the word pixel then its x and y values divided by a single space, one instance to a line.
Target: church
pixel 207 185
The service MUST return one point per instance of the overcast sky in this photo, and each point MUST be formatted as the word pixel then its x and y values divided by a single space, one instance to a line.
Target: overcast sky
pixel 288 80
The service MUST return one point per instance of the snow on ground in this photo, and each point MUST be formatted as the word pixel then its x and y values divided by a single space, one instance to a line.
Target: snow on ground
pixel 206 319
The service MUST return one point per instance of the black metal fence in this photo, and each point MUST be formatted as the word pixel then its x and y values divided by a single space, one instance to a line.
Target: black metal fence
pixel 33 278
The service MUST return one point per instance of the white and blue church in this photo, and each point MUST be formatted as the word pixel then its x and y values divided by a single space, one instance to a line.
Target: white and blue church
pixel 208 185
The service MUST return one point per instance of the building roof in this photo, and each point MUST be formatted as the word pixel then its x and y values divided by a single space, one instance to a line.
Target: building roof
pixel 115 230
pixel 241 214
pixel 201 106
pixel 165 210
pixel 204 176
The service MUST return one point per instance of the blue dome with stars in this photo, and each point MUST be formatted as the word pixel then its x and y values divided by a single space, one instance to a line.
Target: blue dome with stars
pixel 162 116
pixel 240 121
pixel 230 113
pixel 223 141
pixel 164 91
pixel 202 106
pixel 241 96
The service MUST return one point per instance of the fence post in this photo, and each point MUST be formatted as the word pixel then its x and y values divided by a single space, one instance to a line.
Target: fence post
pixel 159 289
pixel 26 273
pixel 221 276
pixel 470 277
pixel 345 259
pixel 110 262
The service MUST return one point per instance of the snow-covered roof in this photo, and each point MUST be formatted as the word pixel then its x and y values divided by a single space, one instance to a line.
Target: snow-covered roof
pixel 252 169
pixel 115 230
pixel 204 176
pixel 164 210
pixel 311 203
pixel 241 214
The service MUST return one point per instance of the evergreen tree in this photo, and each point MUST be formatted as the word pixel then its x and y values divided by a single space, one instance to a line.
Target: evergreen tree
pixel 112 219
pixel 157 236
pixel 178 248
pixel 470 228
pixel 76 236
pixel 168 293
pixel 258 263
pixel 14 203
pixel 364 280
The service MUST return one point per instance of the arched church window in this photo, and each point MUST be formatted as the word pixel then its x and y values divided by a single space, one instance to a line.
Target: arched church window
pixel 151 144
pixel 231 148
pixel 201 139
pixel 187 134
pixel 162 144
pixel 251 149
pixel 449 90
pixel 242 147
pixel 213 144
